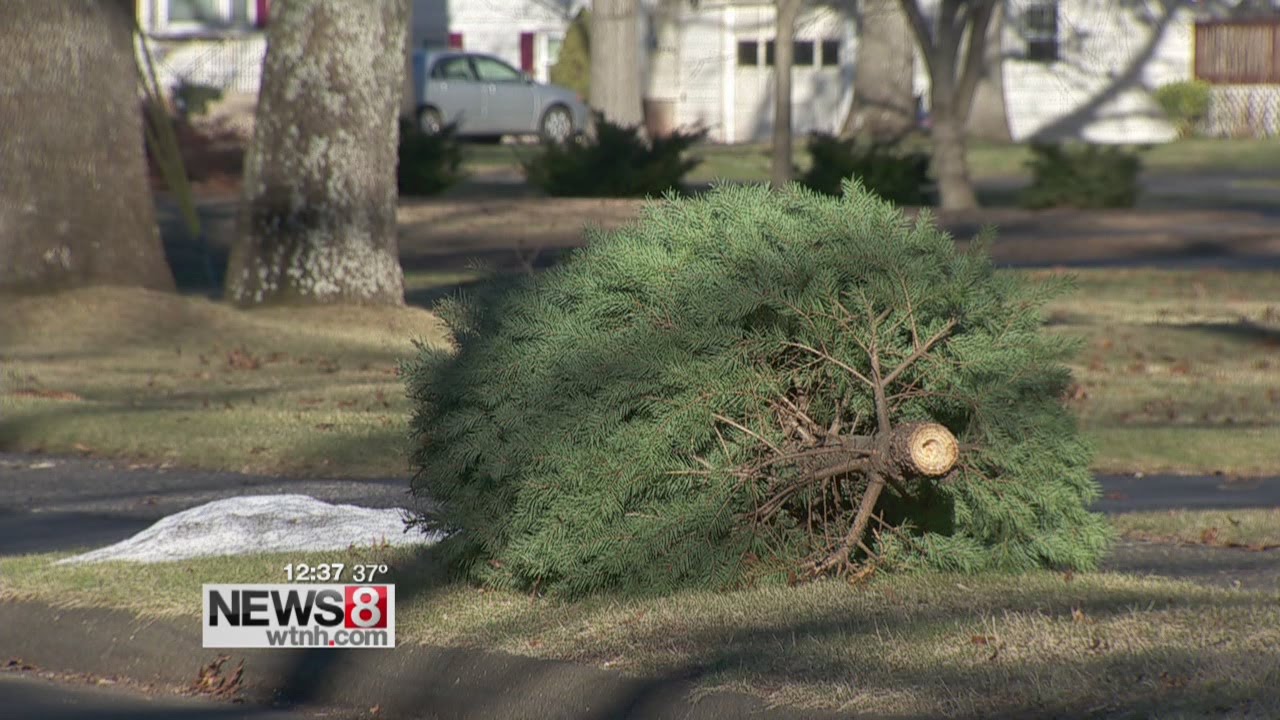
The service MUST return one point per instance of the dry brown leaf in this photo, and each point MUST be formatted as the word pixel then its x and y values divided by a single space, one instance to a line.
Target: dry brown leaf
pixel 240 359
pixel 47 394
pixel 1209 536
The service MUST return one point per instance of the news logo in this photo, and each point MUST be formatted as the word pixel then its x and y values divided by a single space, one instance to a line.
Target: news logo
pixel 299 616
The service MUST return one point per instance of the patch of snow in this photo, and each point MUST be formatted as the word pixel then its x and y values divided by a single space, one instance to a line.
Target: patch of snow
pixel 261 523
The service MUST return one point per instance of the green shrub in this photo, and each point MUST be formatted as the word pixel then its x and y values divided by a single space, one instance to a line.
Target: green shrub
pixel 1185 103
pixel 1086 176
pixel 572 68
pixel 617 162
pixel 194 99
pixel 658 411
pixel 428 163
pixel 894 173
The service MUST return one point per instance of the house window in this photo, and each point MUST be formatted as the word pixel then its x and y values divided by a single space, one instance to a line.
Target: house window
pixel 748 52
pixel 830 53
pixel 802 54
pixel 197 11
pixel 1041 21
pixel 195 17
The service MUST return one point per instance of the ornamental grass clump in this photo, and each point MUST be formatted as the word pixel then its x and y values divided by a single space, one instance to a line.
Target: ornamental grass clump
pixel 753 387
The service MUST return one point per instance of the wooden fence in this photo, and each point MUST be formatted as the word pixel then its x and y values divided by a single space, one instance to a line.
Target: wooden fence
pixel 1238 52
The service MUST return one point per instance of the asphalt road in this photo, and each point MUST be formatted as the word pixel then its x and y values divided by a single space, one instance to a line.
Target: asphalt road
pixel 61 503
pixel 28 697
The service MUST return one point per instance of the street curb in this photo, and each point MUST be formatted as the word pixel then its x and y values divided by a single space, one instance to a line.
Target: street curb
pixel 409 681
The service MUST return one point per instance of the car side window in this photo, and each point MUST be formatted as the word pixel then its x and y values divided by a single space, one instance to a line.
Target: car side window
pixel 491 70
pixel 453 68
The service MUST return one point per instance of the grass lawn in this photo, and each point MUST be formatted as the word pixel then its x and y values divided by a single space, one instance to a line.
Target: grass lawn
pixel 930 645
pixel 749 162
pixel 159 378
pixel 1249 529
pixel 1176 374
pixel 1178 368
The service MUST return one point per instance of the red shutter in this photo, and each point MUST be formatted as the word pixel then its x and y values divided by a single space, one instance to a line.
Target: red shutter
pixel 455 41
pixel 263 7
pixel 526 52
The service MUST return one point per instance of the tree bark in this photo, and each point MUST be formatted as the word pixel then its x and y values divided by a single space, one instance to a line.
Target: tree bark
pixel 953 43
pixel 318 217
pixel 783 56
pixel 884 106
pixel 615 61
pixel 950 162
pixel 75 201
pixel 989 119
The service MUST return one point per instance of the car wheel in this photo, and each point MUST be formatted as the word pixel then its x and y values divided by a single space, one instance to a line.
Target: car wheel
pixel 556 125
pixel 429 121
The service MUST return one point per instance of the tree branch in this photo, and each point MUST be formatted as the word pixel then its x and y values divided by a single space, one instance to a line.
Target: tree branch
pixel 924 35
pixel 921 351
pixel 972 67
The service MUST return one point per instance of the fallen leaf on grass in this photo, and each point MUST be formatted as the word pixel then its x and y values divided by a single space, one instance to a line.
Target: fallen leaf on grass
pixel 211 681
pixel 240 359
pixel 47 394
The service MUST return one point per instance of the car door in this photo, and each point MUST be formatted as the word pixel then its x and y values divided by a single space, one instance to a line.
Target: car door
pixel 452 89
pixel 509 95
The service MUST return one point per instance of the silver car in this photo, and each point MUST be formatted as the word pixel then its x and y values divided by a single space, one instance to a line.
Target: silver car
pixel 485 97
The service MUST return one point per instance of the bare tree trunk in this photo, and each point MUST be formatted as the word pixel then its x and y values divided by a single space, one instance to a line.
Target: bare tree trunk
pixel 615 61
pixel 950 164
pixel 75 201
pixel 884 106
pixel 318 221
pixel 783 56
pixel 989 119
pixel 953 43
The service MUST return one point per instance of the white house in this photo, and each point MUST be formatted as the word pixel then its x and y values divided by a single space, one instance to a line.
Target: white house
pixel 1069 69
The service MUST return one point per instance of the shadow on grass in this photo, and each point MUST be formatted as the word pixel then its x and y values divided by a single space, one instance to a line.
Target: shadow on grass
pixel 1244 331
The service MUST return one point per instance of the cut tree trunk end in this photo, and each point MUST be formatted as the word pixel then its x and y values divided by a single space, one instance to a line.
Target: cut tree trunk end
pixel 910 450
pixel 924 449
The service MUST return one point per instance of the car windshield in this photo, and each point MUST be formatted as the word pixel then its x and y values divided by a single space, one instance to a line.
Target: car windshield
pixel 493 70
pixel 453 68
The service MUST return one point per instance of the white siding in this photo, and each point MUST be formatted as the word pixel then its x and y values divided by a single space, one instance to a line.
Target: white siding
pixel 494 26
pixel 1110 59
pixel 819 95
pixel 701 67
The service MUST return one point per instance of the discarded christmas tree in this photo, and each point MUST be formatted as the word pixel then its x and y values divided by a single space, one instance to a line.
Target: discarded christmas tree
pixel 753 387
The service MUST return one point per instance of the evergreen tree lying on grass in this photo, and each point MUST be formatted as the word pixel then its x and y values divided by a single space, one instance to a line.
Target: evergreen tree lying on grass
pixel 753 387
